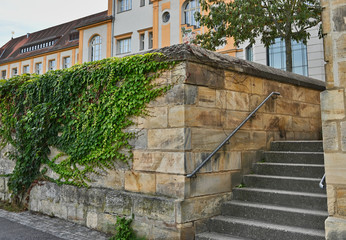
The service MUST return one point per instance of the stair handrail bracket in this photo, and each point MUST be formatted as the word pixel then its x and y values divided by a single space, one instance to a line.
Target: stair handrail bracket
pixel 193 173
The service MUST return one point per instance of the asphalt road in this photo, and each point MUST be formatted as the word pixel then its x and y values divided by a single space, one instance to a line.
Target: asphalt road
pixel 14 231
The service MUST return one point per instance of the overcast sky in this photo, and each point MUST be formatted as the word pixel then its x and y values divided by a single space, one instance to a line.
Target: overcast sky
pixel 25 16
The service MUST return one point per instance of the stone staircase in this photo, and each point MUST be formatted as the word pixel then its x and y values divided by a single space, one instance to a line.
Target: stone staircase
pixel 280 201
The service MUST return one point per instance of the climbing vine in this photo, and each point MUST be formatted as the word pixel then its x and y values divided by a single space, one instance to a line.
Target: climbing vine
pixel 83 111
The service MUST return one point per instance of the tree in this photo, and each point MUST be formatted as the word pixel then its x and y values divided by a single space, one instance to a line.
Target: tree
pixel 250 19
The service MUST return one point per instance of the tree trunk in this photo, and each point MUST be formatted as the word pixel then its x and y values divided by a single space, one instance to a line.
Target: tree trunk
pixel 288 45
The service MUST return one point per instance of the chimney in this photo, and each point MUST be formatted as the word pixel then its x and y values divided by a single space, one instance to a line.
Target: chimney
pixel 27 35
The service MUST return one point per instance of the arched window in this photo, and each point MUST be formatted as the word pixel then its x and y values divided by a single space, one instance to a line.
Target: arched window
pixel 191 7
pixel 95 48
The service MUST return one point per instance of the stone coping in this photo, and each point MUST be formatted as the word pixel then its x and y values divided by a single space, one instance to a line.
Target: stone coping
pixel 192 53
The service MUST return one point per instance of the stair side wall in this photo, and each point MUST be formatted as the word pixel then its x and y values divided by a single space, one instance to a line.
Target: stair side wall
pixel 334 116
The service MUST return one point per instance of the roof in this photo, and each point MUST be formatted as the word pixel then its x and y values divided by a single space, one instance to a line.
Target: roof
pixel 60 35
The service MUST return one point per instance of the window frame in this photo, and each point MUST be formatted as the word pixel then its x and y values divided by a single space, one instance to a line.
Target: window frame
pixel 50 68
pixel 191 10
pixel 14 71
pixel 38 68
pixel 119 45
pixel 64 65
pixel 24 67
pixel 3 74
pixel 127 5
pixel 150 40
pixel 249 53
pixel 95 48
pixel 278 48
pixel 141 41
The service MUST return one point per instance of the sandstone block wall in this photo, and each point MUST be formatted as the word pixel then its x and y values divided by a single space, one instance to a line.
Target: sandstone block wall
pixel 334 116
pixel 210 95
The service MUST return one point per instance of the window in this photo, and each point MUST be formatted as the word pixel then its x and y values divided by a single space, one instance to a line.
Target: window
pixel 150 2
pixel 95 48
pixel 249 53
pixel 165 17
pixel 14 72
pixel 38 68
pixel 74 36
pixel 150 40
pixel 141 41
pixel 3 74
pixel 66 62
pixel 277 56
pixel 26 69
pixel 124 46
pixel 124 5
pixel 52 64
pixel 191 7
pixel 142 3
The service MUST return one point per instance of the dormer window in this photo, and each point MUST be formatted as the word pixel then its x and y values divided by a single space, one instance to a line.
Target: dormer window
pixel 38 46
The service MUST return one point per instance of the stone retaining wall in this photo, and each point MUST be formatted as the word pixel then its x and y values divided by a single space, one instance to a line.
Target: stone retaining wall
pixel 210 95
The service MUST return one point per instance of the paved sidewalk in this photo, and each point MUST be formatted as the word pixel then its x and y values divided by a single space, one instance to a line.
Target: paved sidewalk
pixel 40 224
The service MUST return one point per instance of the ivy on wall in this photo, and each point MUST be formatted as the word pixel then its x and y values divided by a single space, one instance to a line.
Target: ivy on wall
pixel 82 111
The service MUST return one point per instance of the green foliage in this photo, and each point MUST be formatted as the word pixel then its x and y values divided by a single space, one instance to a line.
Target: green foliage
pixel 250 19
pixel 82 111
pixel 124 230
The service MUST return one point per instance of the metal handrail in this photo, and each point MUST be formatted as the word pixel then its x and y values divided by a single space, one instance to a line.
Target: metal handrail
pixel 229 136
pixel 323 181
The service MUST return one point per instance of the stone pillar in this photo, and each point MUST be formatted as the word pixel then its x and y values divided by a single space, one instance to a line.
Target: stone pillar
pixel 334 116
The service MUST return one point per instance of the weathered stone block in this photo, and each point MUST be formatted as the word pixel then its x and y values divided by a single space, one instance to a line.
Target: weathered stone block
pixel 173 138
pixel 221 99
pixel 140 182
pixel 257 86
pixel 312 96
pixel 331 199
pixel 299 94
pixel 113 179
pixel 157 118
pixel 165 162
pixel 343 135
pixel 92 220
pixel 287 107
pixel 335 166
pixel 176 116
pixel 238 101
pixel 300 124
pixel 268 107
pixel 237 82
pixel 206 97
pixel 341 201
pixel 190 94
pixel 332 105
pixel 211 183
pixel 330 136
pixel 199 117
pixel 157 208
pixel 310 110
pixel 335 228
pixel 117 203
pixel 170 185
pixel 202 75
pixel 199 207
pixel 205 139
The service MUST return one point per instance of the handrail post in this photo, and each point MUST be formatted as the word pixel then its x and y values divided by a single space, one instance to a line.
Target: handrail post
pixel 229 136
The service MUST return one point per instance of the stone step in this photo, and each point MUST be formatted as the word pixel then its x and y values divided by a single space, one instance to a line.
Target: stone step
pixel 314 201
pixel 289 169
pixel 296 184
pixel 276 214
pixel 297 146
pixel 294 157
pixel 261 230
pixel 217 236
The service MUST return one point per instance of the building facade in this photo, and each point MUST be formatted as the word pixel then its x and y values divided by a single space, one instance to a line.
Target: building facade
pixel 132 26
pixel 308 60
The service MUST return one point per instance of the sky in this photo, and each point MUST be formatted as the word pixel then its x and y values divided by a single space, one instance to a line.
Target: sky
pixel 27 16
